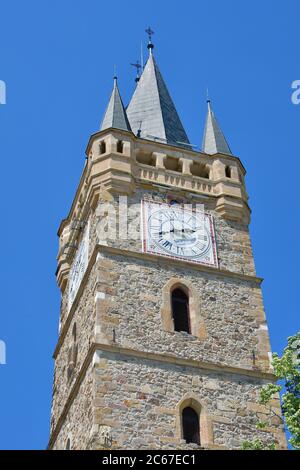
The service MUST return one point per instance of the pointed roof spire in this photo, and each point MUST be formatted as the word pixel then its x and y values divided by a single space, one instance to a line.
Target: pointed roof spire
pixel 213 138
pixel 115 114
pixel 151 111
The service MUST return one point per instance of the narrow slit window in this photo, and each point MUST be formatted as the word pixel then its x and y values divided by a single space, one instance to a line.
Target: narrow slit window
pixel 72 355
pixel 190 426
pixel 228 172
pixel 120 146
pixel 102 147
pixel 180 311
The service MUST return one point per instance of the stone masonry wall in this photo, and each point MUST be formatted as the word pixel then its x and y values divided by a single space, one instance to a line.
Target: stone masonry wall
pixel 79 420
pixel 231 312
pixel 84 316
pixel 138 399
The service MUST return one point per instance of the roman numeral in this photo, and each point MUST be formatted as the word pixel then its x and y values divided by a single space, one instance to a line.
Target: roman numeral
pixel 167 244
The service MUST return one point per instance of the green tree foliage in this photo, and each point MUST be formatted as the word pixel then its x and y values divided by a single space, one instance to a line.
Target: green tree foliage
pixel 257 444
pixel 287 370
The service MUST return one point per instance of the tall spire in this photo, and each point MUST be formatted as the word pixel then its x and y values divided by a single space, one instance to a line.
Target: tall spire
pixel 115 114
pixel 151 111
pixel 213 138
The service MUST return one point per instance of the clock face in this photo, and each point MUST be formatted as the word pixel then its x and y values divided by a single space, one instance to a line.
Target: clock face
pixel 178 232
pixel 78 267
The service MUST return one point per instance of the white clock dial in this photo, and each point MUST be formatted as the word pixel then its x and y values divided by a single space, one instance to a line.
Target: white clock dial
pixel 178 232
pixel 78 267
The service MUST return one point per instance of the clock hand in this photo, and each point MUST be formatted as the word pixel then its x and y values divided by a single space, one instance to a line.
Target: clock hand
pixel 194 231
pixel 167 231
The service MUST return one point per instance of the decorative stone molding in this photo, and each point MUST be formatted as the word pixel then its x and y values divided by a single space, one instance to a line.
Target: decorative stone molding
pixel 233 208
pixel 196 321
pixel 62 274
pixel 160 158
pixel 186 166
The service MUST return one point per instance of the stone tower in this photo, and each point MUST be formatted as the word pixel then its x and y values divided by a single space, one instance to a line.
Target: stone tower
pixel 163 341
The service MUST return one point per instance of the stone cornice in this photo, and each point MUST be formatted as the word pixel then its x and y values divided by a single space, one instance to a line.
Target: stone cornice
pixel 164 260
pixel 164 358
pixel 175 360
pixel 160 260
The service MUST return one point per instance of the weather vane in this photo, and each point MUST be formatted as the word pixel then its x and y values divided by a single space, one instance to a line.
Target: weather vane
pixel 138 67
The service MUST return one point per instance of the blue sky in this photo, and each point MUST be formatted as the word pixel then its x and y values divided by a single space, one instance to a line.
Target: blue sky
pixel 57 60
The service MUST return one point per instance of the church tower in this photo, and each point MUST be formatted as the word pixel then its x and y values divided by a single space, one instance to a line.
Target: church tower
pixel 163 341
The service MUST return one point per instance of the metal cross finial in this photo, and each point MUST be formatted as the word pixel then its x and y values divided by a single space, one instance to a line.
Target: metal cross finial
pixel 150 44
pixel 150 33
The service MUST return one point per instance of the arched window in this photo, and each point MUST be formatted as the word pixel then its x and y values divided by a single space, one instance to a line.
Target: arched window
pixel 120 146
pixel 190 426
pixel 102 147
pixel 228 171
pixel 68 445
pixel 180 311
pixel 181 296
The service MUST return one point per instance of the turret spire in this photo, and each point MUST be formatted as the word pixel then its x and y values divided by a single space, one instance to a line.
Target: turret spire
pixel 213 138
pixel 151 111
pixel 115 114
